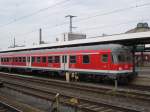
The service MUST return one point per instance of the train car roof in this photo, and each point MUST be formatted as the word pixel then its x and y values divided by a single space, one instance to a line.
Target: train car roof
pixel 108 47
pixel 119 38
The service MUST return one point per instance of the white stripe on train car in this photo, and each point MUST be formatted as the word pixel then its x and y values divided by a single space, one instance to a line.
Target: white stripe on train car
pixel 70 69
pixel 101 71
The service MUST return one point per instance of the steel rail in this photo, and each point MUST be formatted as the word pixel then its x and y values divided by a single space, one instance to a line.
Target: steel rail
pixel 141 95
pixel 4 107
pixel 45 94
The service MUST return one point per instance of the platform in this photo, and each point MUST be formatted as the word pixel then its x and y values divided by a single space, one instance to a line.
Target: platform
pixel 143 78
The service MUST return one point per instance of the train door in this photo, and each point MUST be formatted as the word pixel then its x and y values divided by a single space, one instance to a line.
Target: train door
pixel 28 62
pixel 64 62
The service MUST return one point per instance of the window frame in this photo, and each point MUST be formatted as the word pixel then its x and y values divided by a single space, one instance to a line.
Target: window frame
pixel 50 60
pixel 32 59
pixel 102 58
pixel 20 59
pixel 83 60
pixel 56 59
pixel 2 59
pixel 44 59
pixel 73 61
pixel 38 59
pixel 23 59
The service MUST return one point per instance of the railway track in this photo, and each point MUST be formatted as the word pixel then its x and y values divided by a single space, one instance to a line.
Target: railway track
pixel 7 108
pixel 129 93
pixel 86 103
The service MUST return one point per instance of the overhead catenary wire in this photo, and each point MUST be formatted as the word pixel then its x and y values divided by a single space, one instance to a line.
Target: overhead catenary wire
pixel 114 11
pixel 97 15
pixel 103 14
pixel 34 13
pixel 106 26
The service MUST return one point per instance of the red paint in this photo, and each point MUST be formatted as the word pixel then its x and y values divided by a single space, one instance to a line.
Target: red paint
pixel 95 60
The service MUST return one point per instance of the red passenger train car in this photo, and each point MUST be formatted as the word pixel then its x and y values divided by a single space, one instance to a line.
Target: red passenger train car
pixel 95 61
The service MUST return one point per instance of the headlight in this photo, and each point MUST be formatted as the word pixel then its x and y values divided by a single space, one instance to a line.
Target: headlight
pixel 120 68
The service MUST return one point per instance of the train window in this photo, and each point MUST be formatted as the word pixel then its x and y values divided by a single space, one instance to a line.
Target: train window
pixel 121 58
pixel 72 59
pixel 38 59
pixel 112 58
pixel 24 59
pixel 1 59
pixel 57 59
pixel 129 58
pixel 33 59
pixel 64 59
pixel 86 59
pixel 44 59
pixel 16 59
pixel 20 59
pixel 50 59
pixel 105 58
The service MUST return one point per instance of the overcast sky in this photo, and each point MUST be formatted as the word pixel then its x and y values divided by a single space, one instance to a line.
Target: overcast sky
pixel 22 18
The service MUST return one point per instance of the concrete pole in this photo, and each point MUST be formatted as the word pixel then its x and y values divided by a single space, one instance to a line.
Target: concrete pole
pixel 14 42
pixel 40 36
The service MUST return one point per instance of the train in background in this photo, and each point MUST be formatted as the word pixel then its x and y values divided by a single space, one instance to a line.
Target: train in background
pixel 96 61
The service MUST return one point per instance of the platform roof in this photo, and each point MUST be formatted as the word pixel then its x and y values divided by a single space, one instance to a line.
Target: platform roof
pixel 125 39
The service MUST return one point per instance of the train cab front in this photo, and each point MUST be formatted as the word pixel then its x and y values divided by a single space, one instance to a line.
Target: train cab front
pixel 123 63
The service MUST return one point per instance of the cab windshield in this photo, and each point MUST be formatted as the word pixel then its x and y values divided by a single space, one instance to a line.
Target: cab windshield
pixel 124 58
